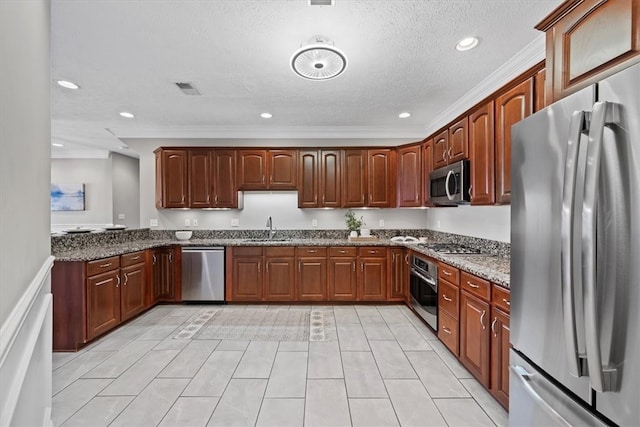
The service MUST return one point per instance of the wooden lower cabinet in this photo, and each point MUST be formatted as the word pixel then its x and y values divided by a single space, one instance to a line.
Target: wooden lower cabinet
pixel 163 275
pixel 448 332
pixel 311 280
pixel 499 385
pixel 372 276
pixel 133 290
pixel 474 336
pixel 398 286
pixel 279 275
pixel 103 302
pixel 342 275
pixel 246 277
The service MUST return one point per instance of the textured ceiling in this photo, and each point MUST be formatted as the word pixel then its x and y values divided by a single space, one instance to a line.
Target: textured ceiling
pixel 126 55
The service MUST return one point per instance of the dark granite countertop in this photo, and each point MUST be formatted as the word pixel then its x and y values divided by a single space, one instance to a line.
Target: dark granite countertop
pixel 487 266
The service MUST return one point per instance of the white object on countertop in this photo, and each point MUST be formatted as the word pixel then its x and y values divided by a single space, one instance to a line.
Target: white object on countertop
pixel 424 239
pixel 183 235
pixel 404 239
pixel 365 232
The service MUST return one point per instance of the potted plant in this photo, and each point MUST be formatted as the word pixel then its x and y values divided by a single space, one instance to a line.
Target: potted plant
pixel 353 223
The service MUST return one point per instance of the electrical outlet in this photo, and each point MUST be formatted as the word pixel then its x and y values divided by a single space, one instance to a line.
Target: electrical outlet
pixel 235 222
pixel 195 222
pixel 187 222
pixel 381 223
pixel 121 216
pixel 153 222
pixel 438 224
pixel 314 222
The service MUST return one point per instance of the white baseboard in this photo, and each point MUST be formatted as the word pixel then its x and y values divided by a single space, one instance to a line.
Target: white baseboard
pixel 25 355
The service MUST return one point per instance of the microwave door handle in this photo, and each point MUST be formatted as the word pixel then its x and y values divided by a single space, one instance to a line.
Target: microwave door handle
pixel 446 185
pixel 576 128
pixel 602 380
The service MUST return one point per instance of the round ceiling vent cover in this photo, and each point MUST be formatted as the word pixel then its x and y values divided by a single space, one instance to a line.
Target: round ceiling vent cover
pixel 318 60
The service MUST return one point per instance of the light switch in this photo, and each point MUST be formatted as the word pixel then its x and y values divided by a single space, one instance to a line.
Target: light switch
pixel 187 222
pixel 121 216
pixel 235 222
pixel 153 222
pixel 381 223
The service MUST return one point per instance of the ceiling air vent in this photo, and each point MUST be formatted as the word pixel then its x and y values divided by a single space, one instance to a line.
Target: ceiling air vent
pixel 321 2
pixel 187 88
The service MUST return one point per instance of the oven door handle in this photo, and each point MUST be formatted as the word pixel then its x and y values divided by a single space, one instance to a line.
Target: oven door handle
pixel 429 281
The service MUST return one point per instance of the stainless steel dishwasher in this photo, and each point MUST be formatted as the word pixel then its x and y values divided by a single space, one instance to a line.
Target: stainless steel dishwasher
pixel 203 274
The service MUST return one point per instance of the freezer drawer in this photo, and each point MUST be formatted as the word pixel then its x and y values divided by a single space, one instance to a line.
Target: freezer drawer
pixel 203 274
pixel 535 401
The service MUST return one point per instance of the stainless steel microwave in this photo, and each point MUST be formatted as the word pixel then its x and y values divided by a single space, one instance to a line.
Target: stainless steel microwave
pixel 451 184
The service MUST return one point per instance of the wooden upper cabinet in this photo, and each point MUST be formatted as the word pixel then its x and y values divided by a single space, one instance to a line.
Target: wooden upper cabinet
pixel 381 178
pixel 354 178
pixel 267 169
pixel 200 178
pixel 427 167
pixel 588 40
pixel 330 179
pixel 409 176
pixel 482 155
pixel 252 169
pixel 510 107
pixel 308 179
pixel 282 169
pixel 540 90
pixel 440 149
pixel 224 179
pixel 171 175
pixel 458 141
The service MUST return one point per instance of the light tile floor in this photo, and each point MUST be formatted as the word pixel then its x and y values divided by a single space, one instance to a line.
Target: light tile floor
pixel 379 366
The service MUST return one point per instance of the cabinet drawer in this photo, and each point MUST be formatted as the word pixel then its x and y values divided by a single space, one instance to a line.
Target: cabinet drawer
pixel 370 251
pixel 448 273
pixel 349 251
pixel 247 251
pixel 311 251
pixel 101 265
pixel 280 251
pixel 475 285
pixel 448 332
pixel 448 296
pixel 501 297
pixel 132 258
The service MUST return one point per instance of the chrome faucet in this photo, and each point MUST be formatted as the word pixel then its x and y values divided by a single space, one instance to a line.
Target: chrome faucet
pixel 272 231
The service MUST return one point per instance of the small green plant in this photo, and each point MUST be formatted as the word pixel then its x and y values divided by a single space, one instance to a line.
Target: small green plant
pixel 353 223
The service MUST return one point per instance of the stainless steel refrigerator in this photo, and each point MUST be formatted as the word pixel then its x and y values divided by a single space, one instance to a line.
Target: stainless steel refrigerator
pixel 575 259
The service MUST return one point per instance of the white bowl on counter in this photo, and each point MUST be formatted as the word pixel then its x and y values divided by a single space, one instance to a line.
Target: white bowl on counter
pixel 183 235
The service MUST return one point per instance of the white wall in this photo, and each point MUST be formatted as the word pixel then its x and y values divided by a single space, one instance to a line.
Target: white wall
pixel 126 190
pixel 25 245
pixel 97 178
pixel 486 222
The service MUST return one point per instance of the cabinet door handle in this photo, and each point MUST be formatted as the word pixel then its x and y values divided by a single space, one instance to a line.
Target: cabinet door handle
pixel 473 285
pixel 354 266
pixel 126 279
pixel 504 300
pixel 493 326
pixel 372 252
pixel 105 265
pixel 170 257
pixel 266 266
pixel 446 273
pixel 135 258
pixel 299 266
pixel 259 264
pixel 312 251
pixel 208 198
pixel 406 258
pixel 215 199
pixel 342 252
pixel 444 155
pixel 118 281
pixel 154 260
pixel 182 199
pixel 323 199
pixel 446 298
pixel 362 267
pixel 482 319
pixel 393 257
pixel 447 330
pixel 470 188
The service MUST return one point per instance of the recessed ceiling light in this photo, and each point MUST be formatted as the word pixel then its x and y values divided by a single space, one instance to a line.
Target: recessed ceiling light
pixel 55 144
pixel 467 43
pixel 404 115
pixel 68 84
pixel 127 114
pixel 266 115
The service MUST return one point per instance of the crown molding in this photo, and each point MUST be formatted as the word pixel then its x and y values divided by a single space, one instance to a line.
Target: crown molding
pixel 533 53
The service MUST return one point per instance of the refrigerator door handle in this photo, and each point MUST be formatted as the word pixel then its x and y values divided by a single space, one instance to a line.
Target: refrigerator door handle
pixel 526 379
pixel 576 127
pixel 602 379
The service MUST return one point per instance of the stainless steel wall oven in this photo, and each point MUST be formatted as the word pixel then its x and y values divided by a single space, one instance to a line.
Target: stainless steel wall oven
pixel 423 286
